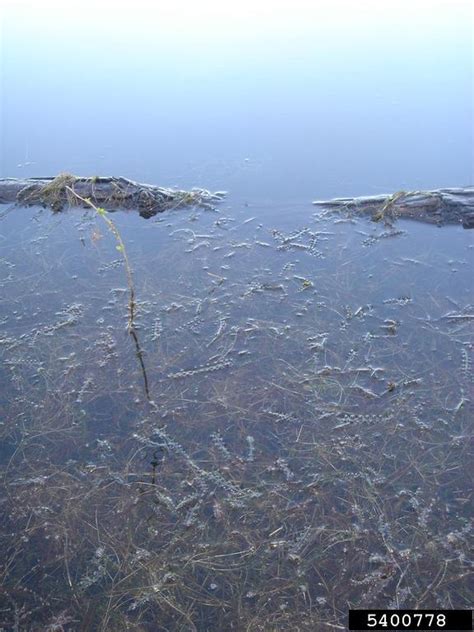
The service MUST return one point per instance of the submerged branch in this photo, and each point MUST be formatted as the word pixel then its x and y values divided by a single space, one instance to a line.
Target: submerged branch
pixel 108 192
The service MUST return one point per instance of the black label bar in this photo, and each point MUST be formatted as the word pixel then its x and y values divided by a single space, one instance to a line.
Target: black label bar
pixel 410 620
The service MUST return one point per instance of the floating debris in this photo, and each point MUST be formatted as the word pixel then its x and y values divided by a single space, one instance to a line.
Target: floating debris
pixel 105 191
pixel 442 206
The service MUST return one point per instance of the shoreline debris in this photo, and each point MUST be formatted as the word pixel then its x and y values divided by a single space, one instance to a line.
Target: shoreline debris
pixel 108 192
pixel 441 206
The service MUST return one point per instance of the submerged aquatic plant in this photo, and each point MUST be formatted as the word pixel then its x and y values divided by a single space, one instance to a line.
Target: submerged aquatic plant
pixel 104 215
pixel 131 328
pixel 266 495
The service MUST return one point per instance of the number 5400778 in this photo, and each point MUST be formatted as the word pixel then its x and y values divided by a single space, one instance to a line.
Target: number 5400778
pixel 417 620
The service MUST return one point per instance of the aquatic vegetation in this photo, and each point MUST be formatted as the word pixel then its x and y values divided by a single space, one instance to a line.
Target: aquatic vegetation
pixel 102 213
pixel 386 212
pixel 55 193
pixel 206 368
pixel 302 447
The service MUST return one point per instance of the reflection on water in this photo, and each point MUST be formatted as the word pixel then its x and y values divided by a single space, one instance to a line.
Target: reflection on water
pixel 305 448
pixel 281 100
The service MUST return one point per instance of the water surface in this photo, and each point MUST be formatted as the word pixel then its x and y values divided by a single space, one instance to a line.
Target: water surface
pixel 288 436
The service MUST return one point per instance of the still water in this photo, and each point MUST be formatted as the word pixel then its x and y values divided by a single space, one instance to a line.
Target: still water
pixel 288 435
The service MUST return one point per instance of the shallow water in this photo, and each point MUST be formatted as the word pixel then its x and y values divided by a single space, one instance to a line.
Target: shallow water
pixel 307 443
pixel 288 436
